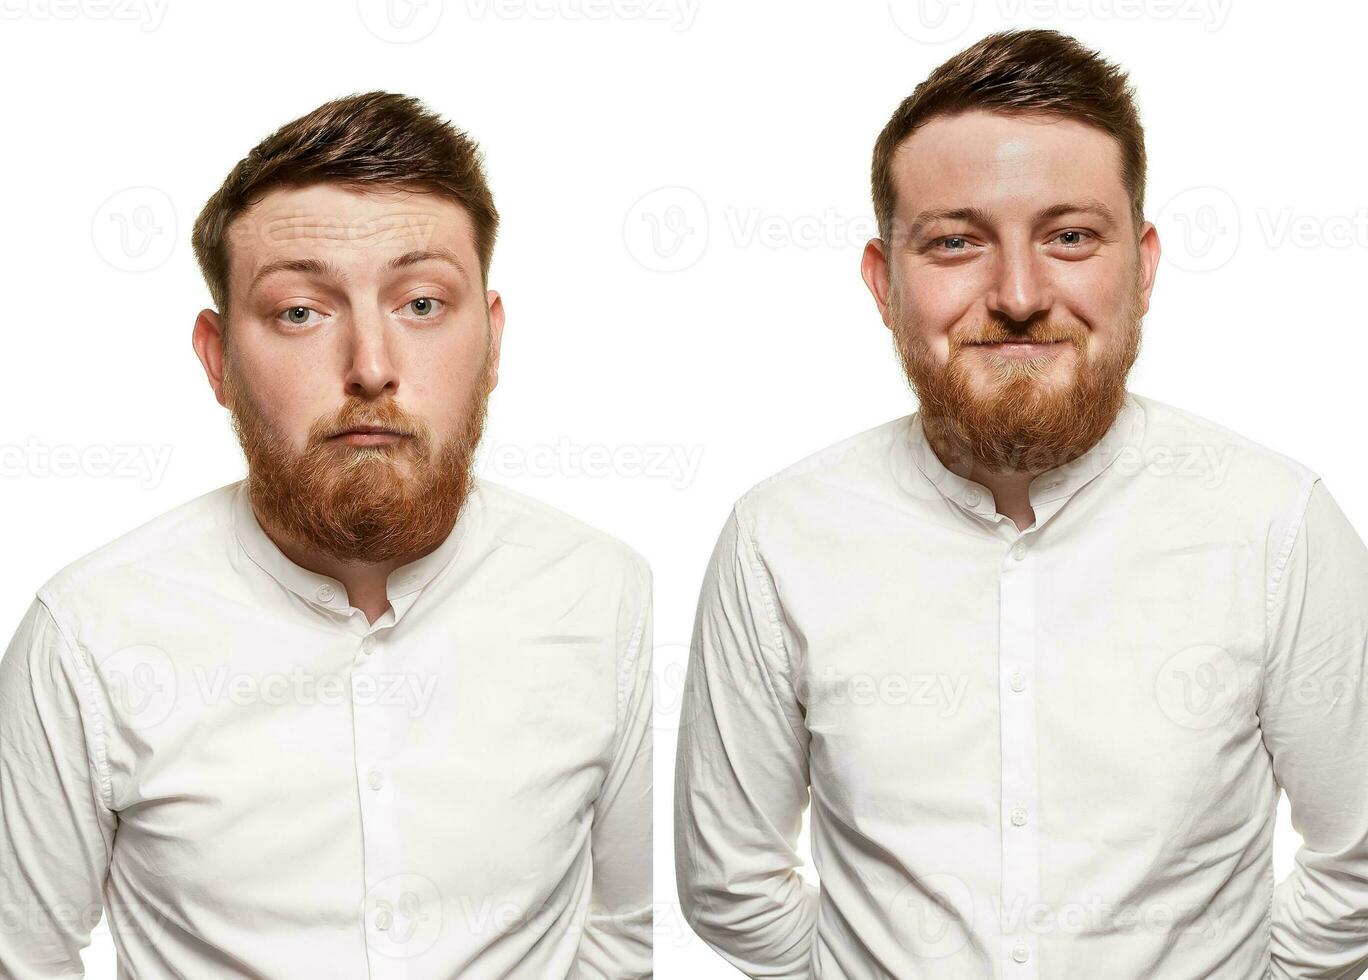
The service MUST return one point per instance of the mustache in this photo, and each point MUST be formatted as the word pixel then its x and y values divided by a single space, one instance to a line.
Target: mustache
pixel 370 418
pixel 1042 334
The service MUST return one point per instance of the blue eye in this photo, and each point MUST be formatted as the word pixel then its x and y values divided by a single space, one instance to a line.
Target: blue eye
pixel 954 238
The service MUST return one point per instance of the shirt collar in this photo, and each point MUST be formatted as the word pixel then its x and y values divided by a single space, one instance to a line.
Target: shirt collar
pixel 402 587
pixel 1049 490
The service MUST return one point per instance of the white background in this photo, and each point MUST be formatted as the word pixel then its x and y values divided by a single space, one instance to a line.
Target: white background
pixel 737 340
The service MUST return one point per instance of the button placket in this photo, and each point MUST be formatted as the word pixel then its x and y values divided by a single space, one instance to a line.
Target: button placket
pixel 1020 885
pixel 373 739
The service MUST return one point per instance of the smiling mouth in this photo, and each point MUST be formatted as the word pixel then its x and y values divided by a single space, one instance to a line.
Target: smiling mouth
pixel 1012 343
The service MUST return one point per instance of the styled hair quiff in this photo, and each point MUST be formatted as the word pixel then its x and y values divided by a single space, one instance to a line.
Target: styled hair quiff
pixel 1040 72
pixel 371 139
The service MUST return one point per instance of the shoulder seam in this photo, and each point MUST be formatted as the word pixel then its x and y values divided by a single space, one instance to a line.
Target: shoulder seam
pixel 1284 554
pixel 86 670
pixel 627 667
pixel 768 595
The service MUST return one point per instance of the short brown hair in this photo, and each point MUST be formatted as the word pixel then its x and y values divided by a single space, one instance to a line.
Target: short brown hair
pixel 1039 72
pixel 368 139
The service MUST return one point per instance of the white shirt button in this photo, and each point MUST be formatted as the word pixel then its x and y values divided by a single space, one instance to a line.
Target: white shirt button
pixel 1018 816
pixel 1019 551
pixel 1020 953
pixel 972 497
pixel 368 645
pixel 1017 681
pixel 383 920
pixel 376 779
pixel 326 593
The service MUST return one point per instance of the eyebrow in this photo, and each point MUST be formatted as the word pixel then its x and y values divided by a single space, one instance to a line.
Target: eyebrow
pixel 440 254
pixel 982 216
pixel 323 269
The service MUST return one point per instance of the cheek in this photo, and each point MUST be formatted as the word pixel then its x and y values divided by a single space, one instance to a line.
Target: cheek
pixel 441 383
pixel 1098 293
pixel 288 404
pixel 933 302
pixel 938 296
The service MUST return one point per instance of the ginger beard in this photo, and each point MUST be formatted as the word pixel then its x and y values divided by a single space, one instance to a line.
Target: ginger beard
pixel 357 504
pixel 1020 419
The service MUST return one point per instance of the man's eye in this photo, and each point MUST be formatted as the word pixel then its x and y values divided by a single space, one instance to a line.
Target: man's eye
pixel 1074 237
pixel 424 307
pixel 297 316
pixel 952 243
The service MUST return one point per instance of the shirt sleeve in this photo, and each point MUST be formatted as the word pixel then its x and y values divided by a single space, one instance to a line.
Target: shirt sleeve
pixel 55 830
pixel 1315 724
pixel 617 939
pixel 741 773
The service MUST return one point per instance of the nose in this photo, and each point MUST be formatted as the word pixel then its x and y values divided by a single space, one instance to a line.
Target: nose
pixel 1020 290
pixel 371 369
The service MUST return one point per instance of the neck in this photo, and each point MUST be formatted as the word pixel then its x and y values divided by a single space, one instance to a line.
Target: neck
pixel 365 582
pixel 1010 489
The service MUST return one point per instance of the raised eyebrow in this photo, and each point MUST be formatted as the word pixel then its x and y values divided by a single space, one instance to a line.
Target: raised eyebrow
pixel 319 268
pixel 428 254
pixel 972 215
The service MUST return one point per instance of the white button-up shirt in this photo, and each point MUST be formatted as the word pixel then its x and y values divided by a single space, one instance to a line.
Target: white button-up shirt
pixel 1043 753
pixel 260 783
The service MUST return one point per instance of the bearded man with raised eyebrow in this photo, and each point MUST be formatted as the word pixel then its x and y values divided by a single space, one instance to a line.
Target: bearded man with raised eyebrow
pixel 361 714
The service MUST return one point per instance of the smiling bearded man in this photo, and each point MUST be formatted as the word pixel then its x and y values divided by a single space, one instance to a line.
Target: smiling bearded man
pixel 1144 651
pixel 1019 419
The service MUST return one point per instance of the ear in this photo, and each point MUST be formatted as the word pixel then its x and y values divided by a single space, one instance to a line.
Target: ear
pixel 496 325
pixel 874 269
pixel 1149 262
pixel 207 339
